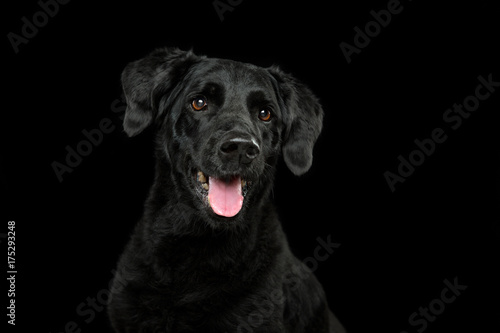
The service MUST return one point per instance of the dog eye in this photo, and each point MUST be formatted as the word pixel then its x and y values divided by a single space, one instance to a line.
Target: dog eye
pixel 265 115
pixel 199 103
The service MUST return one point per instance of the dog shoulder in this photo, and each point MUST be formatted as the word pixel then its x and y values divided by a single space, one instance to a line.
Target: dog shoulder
pixel 306 307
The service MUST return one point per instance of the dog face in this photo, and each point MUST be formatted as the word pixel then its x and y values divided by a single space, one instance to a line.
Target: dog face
pixel 221 126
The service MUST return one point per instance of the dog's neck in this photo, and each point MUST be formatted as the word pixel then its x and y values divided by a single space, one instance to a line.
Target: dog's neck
pixel 180 237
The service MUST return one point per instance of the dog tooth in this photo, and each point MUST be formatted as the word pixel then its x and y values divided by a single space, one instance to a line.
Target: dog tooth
pixel 201 177
pixel 205 186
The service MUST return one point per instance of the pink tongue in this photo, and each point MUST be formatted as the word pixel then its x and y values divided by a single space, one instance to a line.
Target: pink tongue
pixel 225 197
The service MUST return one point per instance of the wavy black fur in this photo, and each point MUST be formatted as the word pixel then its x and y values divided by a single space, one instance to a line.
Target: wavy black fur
pixel 186 269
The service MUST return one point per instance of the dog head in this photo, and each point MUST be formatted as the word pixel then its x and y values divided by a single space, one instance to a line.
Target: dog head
pixel 220 126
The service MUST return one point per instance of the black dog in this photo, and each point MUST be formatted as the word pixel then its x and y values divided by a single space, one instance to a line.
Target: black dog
pixel 209 254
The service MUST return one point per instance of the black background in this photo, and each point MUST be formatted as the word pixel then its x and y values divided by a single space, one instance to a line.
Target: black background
pixel 396 248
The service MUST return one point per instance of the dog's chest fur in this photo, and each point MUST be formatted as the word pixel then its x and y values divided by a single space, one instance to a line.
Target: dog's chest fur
pixel 208 282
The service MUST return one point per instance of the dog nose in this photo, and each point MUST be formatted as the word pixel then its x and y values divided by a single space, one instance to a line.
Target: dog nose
pixel 240 149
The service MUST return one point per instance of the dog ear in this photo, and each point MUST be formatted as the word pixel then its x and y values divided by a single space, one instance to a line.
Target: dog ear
pixel 303 120
pixel 160 70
